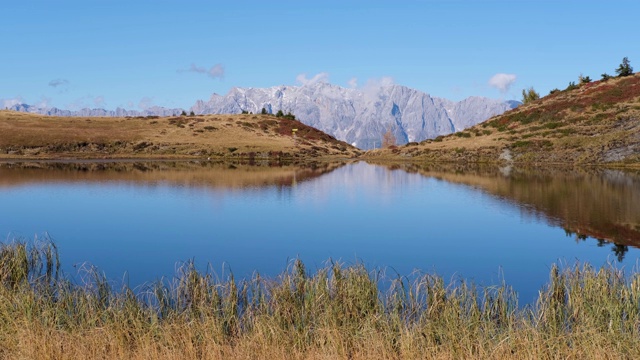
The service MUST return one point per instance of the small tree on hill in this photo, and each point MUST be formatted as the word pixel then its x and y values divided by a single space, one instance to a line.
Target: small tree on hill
pixel 264 111
pixel 605 76
pixel 279 113
pixel 572 85
pixel 388 139
pixel 183 113
pixel 192 113
pixel 529 95
pixel 625 68
pixel 584 79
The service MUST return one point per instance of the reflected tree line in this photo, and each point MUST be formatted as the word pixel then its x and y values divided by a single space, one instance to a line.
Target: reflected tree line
pixel 595 203
pixel 619 250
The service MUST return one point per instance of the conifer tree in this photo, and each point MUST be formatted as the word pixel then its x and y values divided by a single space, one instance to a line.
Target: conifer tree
pixel 529 95
pixel 625 68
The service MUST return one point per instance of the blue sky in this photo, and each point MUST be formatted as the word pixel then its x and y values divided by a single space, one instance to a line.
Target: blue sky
pixel 134 54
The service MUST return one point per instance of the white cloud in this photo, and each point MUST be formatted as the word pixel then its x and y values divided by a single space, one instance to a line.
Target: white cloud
pixel 353 82
pixel 7 103
pixel 77 104
pixel 99 101
pixel 216 71
pixel 373 86
pixel 44 102
pixel 145 103
pixel 502 81
pixel 58 82
pixel 321 77
pixel 381 82
pixel 86 102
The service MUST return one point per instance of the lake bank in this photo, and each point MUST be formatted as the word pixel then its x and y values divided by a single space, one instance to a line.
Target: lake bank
pixel 338 311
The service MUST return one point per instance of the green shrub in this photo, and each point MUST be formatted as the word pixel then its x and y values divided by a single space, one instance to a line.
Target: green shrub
pixel 625 68
pixel 529 95
pixel 572 85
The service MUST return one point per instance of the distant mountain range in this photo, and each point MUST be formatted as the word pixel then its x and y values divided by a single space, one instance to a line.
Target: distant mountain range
pixel 361 116
pixel 118 112
pixel 357 116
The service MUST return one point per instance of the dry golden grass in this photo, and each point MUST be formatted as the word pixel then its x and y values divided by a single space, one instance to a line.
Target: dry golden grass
pixel 596 123
pixel 219 136
pixel 336 313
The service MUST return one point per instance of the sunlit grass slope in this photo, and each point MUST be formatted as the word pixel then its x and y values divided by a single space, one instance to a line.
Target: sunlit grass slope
pixel 590 123
pixel 218 136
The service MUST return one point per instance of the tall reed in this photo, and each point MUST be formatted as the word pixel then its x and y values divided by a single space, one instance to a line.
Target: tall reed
pixel 338 311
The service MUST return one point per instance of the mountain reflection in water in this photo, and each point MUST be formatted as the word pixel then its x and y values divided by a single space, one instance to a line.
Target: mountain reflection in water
pixel 487 224
pixel 602 204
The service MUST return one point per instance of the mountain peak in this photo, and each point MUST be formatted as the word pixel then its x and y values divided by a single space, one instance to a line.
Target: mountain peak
pixel 360 116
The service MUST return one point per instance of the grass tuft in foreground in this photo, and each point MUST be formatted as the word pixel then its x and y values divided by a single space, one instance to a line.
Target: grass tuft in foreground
pixel 337 312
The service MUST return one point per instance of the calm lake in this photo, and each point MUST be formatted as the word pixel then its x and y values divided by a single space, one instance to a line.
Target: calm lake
pixel 137 221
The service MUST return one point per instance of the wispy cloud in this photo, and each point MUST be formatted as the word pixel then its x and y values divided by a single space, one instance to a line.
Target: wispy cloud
pixel 44 102
pixel 7 103
pixel 77 104
pixel 353 82
pixel 58 82
pixel 99 101
pixel 379 82
pixel 372 87
pixel 145 103
pixel 214 72
pixel 321 77
pixel 502 81
pixel 88 101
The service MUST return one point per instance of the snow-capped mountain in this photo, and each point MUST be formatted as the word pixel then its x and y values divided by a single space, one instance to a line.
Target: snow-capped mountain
pixel 361 116
pixel 357 116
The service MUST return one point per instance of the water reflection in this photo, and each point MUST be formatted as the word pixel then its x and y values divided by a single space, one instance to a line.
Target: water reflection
pixel 225 175
pixel 588 203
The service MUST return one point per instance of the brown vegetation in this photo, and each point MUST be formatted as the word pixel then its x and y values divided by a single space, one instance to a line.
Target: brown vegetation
pixel 206 136
pixel 206 174
pixel 591 123
pixel 336 313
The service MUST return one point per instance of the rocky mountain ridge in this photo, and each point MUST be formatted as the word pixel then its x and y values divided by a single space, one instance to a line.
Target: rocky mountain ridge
pixel 357 116
pixel 361 116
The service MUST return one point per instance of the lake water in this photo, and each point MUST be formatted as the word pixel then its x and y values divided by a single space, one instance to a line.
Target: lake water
pixel 483 224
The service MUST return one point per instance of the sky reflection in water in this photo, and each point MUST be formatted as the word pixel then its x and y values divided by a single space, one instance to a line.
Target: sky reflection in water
pixel 456 225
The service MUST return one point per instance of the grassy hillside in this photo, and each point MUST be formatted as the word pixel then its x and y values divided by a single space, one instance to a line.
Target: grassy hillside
pixel 594 123
pixel 217 136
